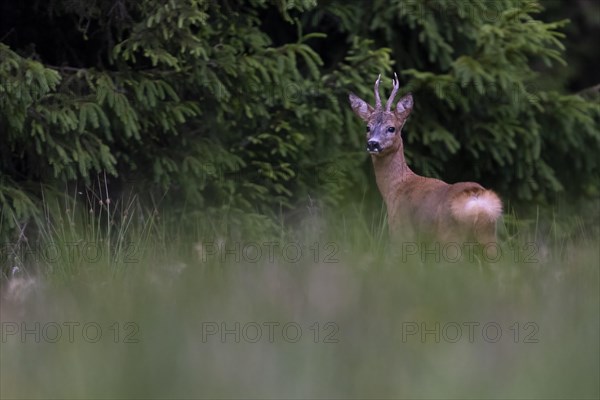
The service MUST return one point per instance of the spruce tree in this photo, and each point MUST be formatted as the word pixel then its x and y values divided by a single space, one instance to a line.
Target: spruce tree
pixel 236 107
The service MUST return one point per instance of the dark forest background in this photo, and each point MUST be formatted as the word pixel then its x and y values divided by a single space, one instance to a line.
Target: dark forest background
pixel 240 107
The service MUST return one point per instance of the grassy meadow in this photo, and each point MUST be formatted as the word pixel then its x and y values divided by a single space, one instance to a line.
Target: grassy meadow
pixel 114 300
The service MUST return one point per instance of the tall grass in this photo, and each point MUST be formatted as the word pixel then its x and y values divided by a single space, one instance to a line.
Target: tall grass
pixel 178 299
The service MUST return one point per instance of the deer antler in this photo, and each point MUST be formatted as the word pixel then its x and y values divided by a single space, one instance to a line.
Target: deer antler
pixel 377 98
pixel 396 83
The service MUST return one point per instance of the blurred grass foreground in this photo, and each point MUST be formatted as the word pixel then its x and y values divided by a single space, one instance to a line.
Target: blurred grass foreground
pixel 325 310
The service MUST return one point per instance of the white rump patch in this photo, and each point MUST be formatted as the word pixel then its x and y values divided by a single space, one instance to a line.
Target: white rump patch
pixel 469 207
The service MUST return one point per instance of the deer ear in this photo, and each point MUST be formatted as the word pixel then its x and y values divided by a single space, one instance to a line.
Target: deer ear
pixel 360 107
pixel 405 105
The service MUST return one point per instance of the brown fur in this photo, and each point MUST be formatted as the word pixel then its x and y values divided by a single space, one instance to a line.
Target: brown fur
pixel 420 207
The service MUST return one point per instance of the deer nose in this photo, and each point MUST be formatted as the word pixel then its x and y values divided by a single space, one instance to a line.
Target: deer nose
pixel 373 146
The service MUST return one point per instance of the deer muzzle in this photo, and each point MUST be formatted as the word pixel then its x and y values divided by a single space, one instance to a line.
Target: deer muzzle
pixel 373 147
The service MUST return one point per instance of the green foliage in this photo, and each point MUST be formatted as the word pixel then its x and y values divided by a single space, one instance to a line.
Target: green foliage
pixel 479 114
pixel 241 107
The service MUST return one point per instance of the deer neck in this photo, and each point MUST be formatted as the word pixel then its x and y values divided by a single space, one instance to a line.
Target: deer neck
pixel 391 171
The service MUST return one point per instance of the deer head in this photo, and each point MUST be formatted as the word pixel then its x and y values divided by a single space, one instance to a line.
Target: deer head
pixel 383 126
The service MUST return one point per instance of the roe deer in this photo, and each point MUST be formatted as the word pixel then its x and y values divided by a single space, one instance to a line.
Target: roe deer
pixel 420 207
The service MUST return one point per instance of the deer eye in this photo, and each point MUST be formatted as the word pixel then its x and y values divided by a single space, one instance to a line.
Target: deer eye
pixel 391 129
pixel 368 129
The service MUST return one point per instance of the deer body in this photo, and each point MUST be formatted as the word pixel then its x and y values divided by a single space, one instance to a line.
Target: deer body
pixel 420 207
